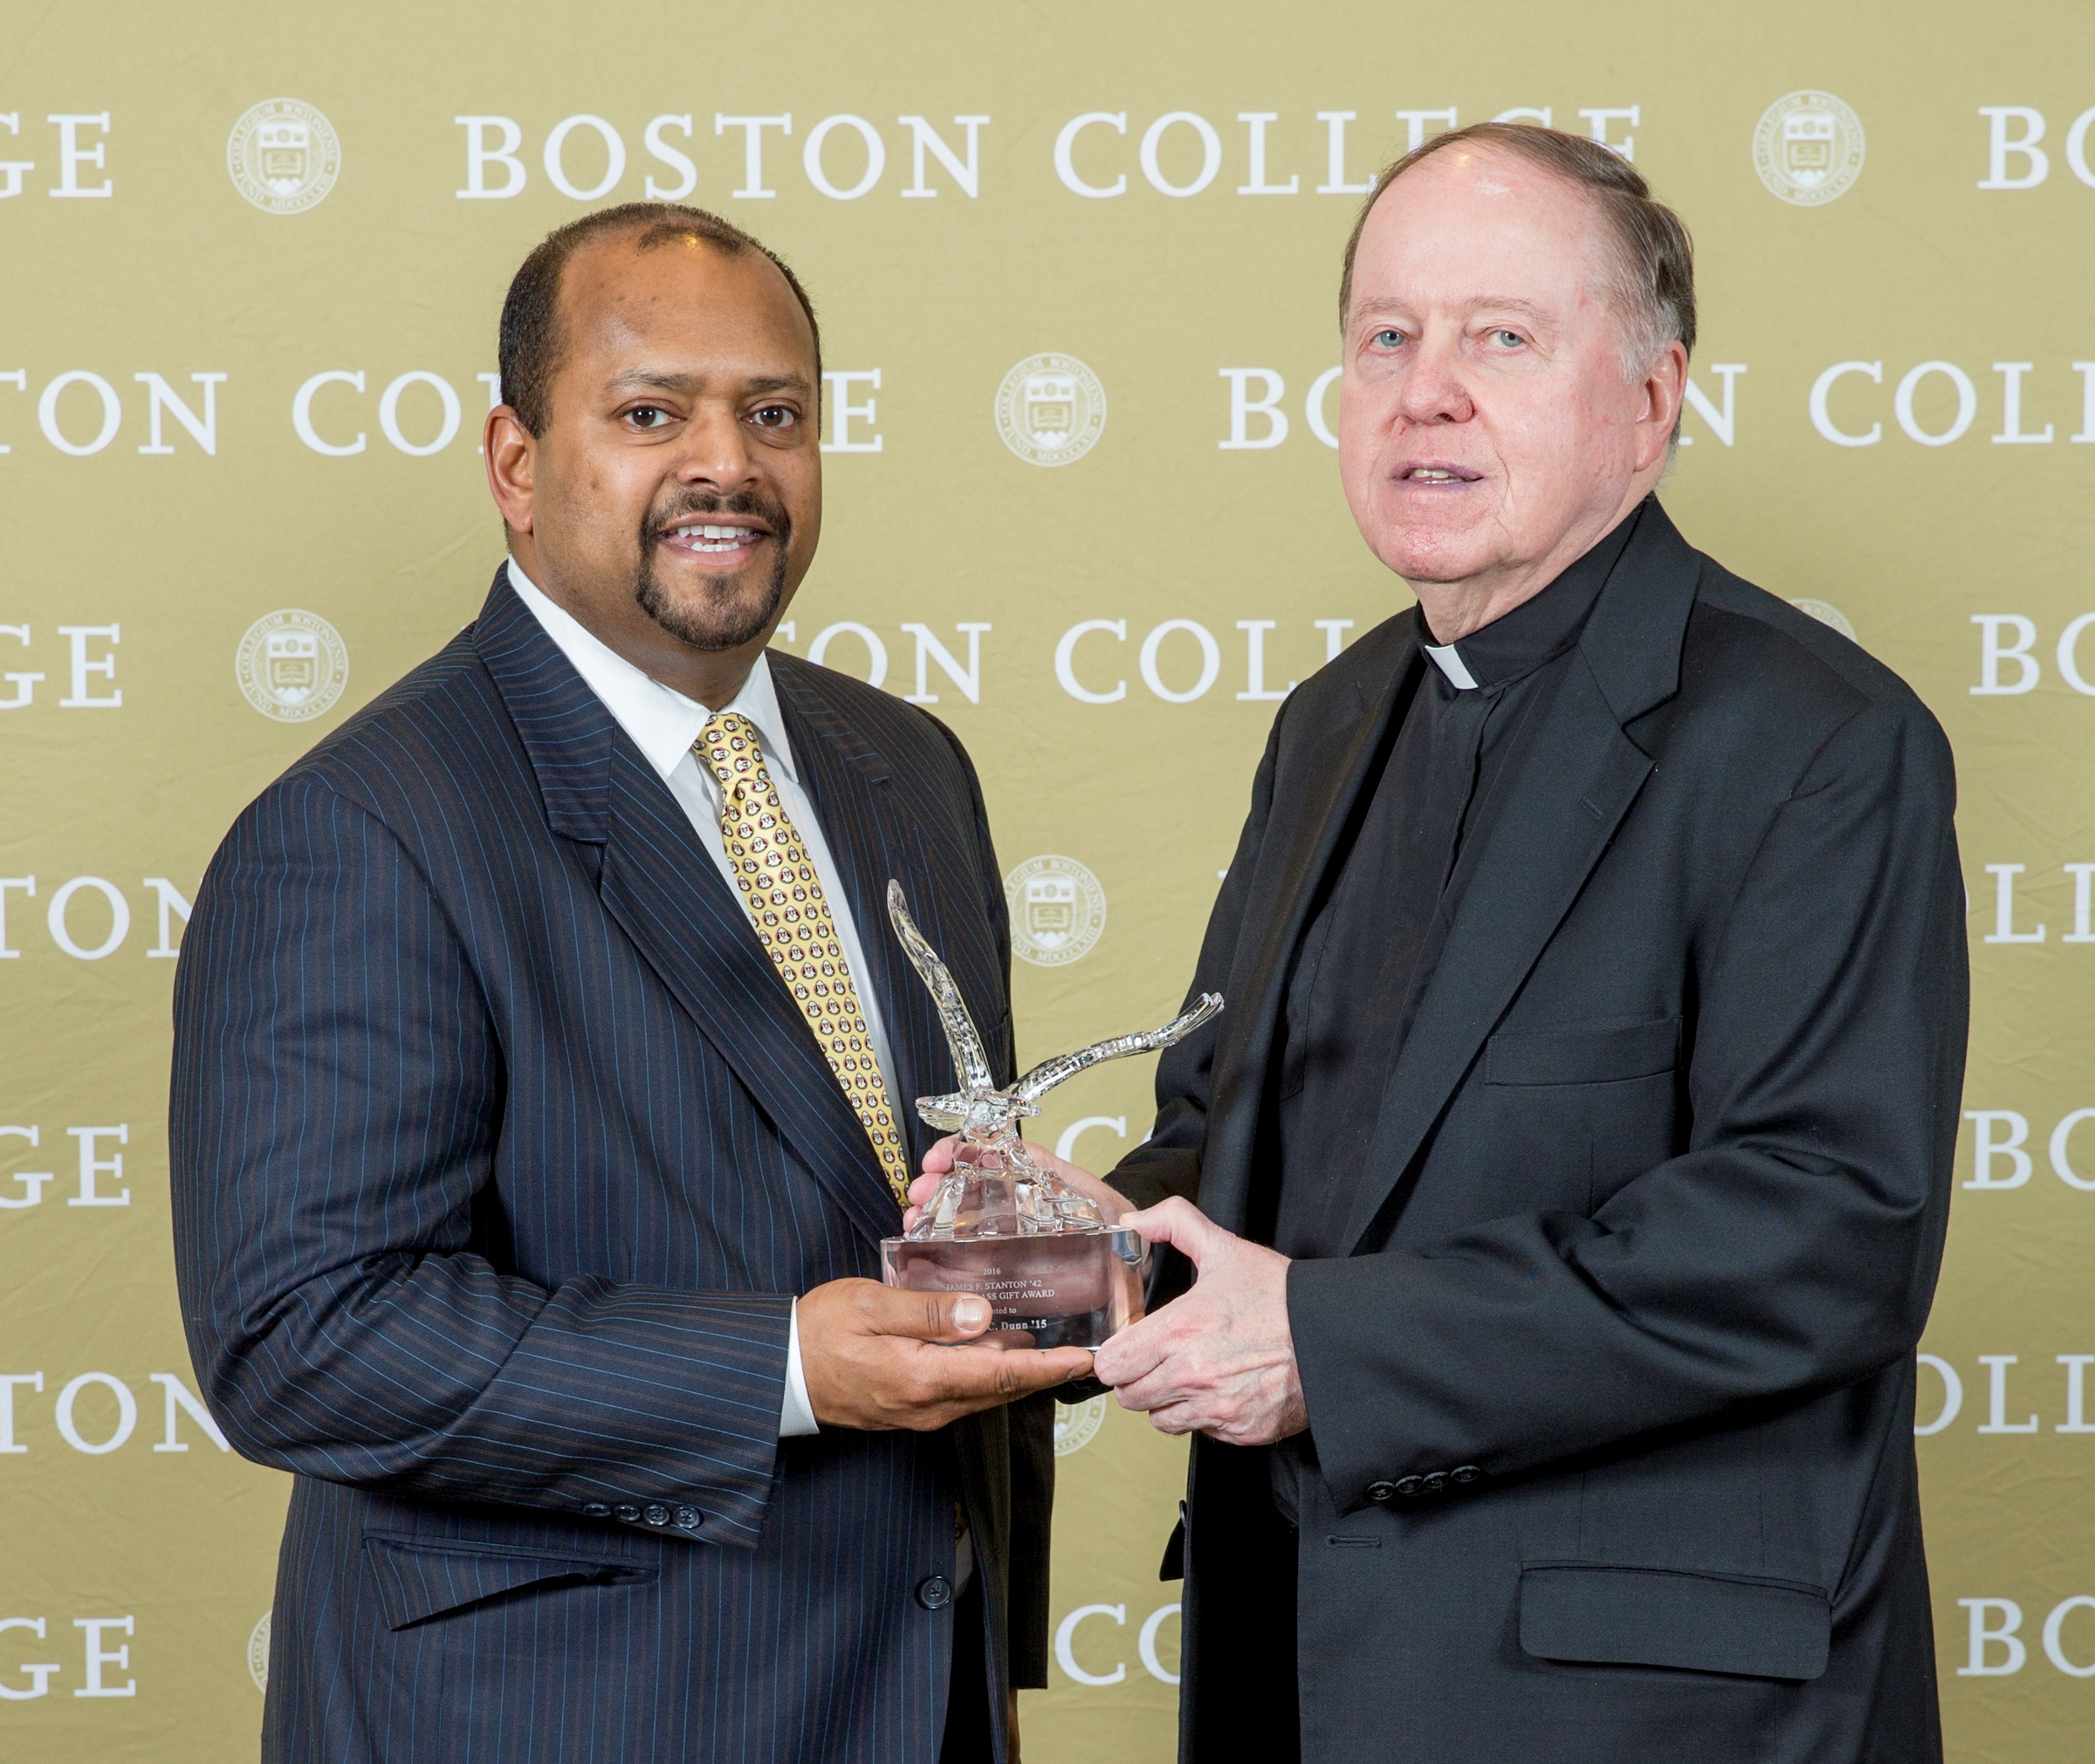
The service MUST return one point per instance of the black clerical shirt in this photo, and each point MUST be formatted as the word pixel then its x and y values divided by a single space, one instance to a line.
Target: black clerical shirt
pixel 1464 716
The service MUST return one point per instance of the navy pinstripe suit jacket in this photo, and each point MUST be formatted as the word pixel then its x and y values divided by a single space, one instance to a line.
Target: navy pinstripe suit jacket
pixel 498 1152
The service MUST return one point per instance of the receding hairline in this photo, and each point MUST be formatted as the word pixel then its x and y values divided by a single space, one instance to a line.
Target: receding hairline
pixel 531 339
pixel 1646 256
pixel 1598 250
pixel 644 237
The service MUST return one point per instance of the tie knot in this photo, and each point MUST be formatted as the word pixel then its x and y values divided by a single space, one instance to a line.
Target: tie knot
pixel 729 745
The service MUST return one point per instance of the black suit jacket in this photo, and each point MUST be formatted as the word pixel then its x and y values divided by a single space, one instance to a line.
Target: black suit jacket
pixel 1612 1395
pixel 499 1152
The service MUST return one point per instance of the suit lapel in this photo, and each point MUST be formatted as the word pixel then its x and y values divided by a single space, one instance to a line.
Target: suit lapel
pixel 873 840
pixel 691 927
pixel 657 883
pixel 1319 804
pixel 1582 775
pixel 564 730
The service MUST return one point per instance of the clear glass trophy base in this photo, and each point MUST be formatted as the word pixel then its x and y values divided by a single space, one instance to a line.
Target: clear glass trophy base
pixel 1056 1273
pixel 1002 1224
pixel 1067 1289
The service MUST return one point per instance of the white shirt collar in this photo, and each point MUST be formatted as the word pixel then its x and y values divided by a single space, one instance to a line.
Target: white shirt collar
pixel 661 721
pixel 1448 660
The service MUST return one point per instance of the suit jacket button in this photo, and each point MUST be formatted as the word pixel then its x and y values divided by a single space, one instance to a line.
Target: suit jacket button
pixel 690 1518
pixel 627 1511
pixel 657 1513
pixel 1435 1481
pixel 934 1592
pixel 1464 1473
pixel 1380 1491
pixel 1409 1486
pixel 596 1509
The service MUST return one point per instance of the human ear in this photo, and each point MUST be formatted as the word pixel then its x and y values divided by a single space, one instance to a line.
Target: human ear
pixel 512 463
pixel 1664 386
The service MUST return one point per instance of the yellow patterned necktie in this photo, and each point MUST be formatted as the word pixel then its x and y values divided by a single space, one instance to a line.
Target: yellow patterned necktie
pixel 786 902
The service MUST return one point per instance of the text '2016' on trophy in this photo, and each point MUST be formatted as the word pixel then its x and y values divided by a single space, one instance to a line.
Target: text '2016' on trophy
pixel 1056 1273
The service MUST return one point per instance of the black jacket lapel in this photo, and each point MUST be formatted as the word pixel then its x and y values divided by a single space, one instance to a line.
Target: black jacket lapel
pixel 1582 775
pixel 1318 804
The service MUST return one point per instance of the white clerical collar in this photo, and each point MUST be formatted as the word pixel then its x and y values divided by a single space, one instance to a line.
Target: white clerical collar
pixel 661 721
pixel 1445 657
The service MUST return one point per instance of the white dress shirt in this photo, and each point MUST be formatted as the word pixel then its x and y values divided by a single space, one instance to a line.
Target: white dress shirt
pixel 663 724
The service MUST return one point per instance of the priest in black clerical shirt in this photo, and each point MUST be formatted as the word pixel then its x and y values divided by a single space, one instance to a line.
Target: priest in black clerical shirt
pixel 1457 731
pixel 1562 1191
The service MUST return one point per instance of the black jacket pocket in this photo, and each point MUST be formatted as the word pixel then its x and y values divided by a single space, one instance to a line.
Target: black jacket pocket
pixel 421 1577
pixel 1662 1618
pixel 1583 1056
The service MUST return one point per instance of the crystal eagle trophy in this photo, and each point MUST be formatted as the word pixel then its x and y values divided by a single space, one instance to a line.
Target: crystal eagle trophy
pixel 1056 1273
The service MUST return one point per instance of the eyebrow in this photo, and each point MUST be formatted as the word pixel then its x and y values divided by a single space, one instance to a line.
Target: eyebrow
pixel 649 380
pixel 1501 303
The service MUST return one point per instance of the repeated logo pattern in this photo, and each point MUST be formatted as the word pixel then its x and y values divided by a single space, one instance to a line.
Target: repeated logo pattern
pixel 1077 1424
pixel 1051 409
pixel 291 665
pixel 1058 911
pixel 1827 614
pixel 1808 148
pixel 792 915
pixel 1983 177
pixel 284 156
pixel 258 1654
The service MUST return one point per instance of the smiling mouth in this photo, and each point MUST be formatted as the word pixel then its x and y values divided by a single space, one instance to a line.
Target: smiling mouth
pixel 713 539
pixel 1437 474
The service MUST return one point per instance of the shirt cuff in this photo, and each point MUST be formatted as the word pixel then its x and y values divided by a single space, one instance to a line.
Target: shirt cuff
pixel 796 1415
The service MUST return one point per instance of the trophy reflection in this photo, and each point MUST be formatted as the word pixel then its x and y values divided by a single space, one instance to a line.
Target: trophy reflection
pixel 1057 1273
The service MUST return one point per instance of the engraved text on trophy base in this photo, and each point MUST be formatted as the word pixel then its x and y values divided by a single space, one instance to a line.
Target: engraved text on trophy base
pixel 1066 1290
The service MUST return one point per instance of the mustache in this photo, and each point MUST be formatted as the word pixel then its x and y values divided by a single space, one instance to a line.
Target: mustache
pixel 699 505
pixel 730 611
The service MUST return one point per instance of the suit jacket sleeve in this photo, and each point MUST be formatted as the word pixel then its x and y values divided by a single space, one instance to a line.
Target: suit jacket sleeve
pixel 1168 1162
pixel 337 1098
pixel 1790 1249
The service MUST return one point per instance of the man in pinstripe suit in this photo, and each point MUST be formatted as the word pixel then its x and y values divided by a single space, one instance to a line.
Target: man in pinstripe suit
pixel 536 1111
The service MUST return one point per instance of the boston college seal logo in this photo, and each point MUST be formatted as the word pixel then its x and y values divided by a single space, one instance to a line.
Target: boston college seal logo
pixel 1058 911
pixel 1077 1424
pixel 1051 409
pixel 258 1654
pixel 1808 148
pixel 291 665
pixel 1827 614
pixel 284 156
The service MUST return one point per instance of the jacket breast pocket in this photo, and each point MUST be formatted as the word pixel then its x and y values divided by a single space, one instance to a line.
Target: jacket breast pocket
pixel 421 1577
pixel 1584 1054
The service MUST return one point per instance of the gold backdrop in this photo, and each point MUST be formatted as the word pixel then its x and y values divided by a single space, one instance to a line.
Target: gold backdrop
pixel 1075 266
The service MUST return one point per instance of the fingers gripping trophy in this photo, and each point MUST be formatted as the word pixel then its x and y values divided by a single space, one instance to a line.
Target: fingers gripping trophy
pixel 1056 1273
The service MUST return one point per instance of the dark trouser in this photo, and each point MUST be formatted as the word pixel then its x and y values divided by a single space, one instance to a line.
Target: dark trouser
pixel 1241 1615
pixel 969 1738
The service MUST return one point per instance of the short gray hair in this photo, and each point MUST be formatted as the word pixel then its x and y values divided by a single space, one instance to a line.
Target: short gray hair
pixel 1653 271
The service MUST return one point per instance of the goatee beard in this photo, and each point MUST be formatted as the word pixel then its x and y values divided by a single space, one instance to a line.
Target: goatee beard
pixel 720 623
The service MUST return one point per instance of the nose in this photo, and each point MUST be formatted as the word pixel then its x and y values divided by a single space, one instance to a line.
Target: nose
pixel 1435 387
pixel 716 452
